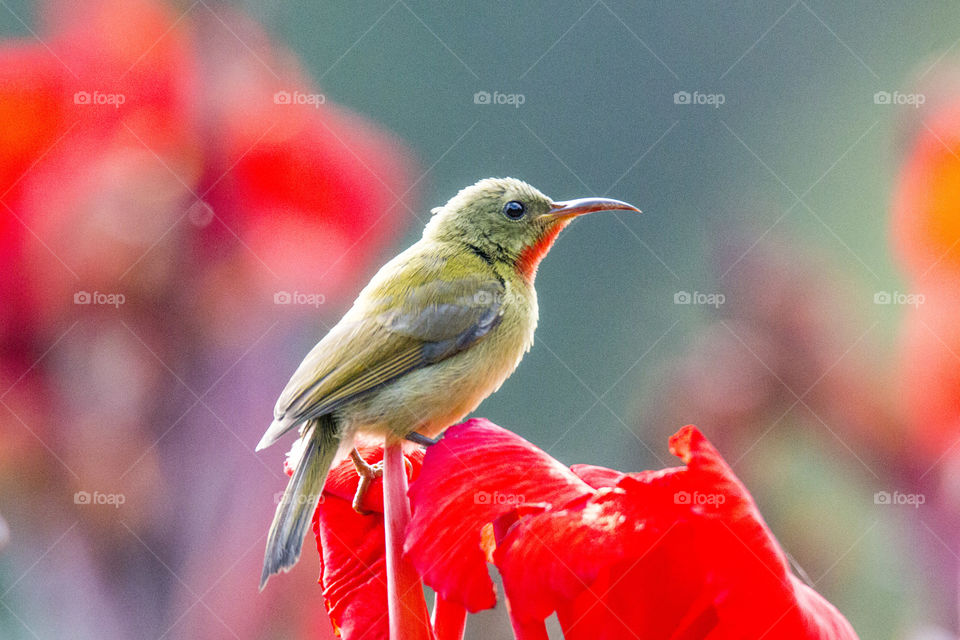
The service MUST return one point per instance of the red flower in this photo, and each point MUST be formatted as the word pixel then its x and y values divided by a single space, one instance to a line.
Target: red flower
pixel 141 145
pixel 352 550
pixel 144 152
pixel 478 471
pixel 676 553
pixel 353 570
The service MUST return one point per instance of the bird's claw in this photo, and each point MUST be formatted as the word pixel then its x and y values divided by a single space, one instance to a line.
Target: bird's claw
pixel 368 473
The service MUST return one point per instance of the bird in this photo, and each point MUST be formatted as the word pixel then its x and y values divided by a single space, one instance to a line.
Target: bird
pixel 439 328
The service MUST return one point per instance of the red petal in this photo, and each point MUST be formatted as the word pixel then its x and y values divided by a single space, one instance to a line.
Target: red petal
pixel 477 472
pixel 597 477
pixel 449 620
pixel 352 551
pixel 677 553
pixel 354 570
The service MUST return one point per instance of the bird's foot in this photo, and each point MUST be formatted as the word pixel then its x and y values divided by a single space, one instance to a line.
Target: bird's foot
pixel 421 439
pixel 368 473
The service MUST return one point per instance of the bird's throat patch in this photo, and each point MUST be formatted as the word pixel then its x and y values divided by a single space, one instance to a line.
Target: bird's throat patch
pixel 530 257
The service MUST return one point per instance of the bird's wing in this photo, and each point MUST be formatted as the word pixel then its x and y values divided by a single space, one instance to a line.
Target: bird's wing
pixel 415 317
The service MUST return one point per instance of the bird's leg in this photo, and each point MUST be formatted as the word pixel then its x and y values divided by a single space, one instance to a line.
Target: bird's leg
pixel 368 473
pixel 421 439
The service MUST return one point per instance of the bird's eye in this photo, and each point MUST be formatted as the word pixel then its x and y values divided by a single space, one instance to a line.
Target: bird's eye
pixel 514 210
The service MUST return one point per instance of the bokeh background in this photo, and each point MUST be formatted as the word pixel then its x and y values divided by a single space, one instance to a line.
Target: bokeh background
pixel 192 192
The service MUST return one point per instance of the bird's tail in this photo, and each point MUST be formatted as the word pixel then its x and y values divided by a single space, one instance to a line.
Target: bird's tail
pixel 321 440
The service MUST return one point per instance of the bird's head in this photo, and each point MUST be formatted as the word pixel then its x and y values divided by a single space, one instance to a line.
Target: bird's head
pixel 507 220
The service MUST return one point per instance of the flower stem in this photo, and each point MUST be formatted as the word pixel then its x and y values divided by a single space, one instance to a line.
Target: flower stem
pixel 406 606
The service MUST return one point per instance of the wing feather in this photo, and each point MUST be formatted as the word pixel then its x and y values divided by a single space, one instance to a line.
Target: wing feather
pixel 414 313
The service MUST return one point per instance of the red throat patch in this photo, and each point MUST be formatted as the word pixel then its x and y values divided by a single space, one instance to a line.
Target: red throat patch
pixel 530 257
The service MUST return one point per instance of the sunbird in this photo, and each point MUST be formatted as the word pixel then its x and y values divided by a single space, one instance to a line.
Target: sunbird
pixel 437 330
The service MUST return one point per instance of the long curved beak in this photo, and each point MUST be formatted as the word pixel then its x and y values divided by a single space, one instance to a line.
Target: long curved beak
pixel 571 208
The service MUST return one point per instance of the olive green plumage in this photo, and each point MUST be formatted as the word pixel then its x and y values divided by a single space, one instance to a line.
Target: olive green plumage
pixel 436 330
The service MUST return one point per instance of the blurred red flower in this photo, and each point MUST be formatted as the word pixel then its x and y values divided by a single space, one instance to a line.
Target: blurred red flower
pixel 147 152
pixel 676 553
pixel 926 233
pixel 143 139
pixel 926 203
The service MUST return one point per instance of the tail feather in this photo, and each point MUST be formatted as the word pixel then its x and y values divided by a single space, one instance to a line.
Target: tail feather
pixel 300 499
pixel 276 429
